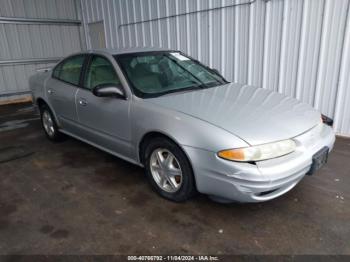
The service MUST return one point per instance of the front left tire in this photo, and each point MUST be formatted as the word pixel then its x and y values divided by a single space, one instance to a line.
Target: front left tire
pixel 169 170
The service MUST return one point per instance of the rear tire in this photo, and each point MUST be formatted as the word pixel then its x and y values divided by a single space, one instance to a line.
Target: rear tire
pixel 168 170
pixel 49 124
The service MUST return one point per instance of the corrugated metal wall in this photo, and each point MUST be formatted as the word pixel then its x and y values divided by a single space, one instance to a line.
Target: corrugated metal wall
pixel 34 40
pixel 297 47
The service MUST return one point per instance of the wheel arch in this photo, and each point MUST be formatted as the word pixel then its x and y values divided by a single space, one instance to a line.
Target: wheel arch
pixel 42 102
pixel 154 134
pixel 147 137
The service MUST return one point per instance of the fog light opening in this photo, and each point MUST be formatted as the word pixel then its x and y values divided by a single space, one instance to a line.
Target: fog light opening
pixel 267 192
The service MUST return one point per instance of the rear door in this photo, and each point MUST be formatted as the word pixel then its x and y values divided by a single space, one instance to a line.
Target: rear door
pixel 61 90
pixel 103 120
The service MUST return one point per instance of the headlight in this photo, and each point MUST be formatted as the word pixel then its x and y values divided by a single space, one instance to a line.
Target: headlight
pixel 261 152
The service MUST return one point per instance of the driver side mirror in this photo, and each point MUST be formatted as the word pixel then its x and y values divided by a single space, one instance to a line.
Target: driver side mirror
pixel 109 90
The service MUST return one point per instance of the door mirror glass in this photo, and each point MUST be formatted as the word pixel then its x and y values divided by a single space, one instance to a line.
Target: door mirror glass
pixel 109 90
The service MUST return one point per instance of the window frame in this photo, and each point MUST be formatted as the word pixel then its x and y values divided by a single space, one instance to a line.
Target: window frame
pixel 85 56
pixel 87 66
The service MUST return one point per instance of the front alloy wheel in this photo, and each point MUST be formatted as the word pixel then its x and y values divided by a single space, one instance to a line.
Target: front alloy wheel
pixel 168 170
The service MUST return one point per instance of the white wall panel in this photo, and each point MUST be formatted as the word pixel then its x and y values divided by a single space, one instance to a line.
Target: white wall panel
pixel 331 52
pixel 272 44
pixel 241 44
pixel 297 47
pixel 290 44
pixel 310 42
pixel 20 41
pixel 342 109
pixel 63 9
pixel 256 35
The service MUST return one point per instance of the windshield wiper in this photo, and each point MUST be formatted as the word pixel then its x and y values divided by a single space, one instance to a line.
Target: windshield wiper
pixel 185 69
pixel 180 90
pixel 201 85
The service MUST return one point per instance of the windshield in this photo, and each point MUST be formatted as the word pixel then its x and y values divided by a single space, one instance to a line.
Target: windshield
pixel 153 74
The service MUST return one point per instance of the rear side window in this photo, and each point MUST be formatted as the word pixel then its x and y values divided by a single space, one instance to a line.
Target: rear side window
pixel 70 69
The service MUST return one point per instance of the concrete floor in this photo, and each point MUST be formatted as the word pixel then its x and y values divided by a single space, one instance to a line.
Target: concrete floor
pixel 70 198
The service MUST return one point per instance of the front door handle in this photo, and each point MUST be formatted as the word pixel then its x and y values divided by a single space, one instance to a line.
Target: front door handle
pixel 82 102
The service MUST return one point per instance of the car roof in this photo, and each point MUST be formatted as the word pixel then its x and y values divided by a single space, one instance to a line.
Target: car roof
pixel 120 51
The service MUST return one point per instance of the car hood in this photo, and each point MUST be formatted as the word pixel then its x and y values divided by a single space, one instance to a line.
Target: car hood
pixel 253 114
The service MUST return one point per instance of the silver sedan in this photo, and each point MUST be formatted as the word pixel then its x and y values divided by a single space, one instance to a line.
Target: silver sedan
pixel 184 123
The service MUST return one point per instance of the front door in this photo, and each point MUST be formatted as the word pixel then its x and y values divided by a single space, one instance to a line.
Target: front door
pixel 104 120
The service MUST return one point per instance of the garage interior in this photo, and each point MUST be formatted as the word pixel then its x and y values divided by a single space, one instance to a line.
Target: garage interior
pixel 70 198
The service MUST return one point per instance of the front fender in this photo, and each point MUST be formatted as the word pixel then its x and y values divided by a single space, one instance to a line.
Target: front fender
pixel 185 130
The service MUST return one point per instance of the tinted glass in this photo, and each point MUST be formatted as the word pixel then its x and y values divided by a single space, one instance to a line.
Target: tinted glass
pixel 57 70
pixel 100 72
pixel 157 73
pixel 69 70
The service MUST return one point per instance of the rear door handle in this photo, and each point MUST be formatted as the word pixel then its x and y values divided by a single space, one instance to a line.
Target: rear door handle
pixel 50 91
pixel 82 102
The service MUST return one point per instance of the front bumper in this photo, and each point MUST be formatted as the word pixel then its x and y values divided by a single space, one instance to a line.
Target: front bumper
pixel 265 180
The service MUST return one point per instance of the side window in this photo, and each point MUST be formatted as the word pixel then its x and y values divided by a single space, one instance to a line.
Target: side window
pixel 69 70
pixel 57 70
pixel 100 72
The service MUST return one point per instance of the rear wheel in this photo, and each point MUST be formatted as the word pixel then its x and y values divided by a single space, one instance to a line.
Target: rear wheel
pixel 168 170
pixel 49 124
